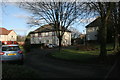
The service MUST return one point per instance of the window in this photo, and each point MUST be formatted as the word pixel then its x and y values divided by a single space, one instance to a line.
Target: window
pixel 43 34
pixel 50 34
pixel 46 33
pixel 36 34
pixel 39 34
pixel 53 33
pixel 47 41
pixel 32 35
pixel 10 48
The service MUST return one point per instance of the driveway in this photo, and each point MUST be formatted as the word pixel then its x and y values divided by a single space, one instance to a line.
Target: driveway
pixel 54 68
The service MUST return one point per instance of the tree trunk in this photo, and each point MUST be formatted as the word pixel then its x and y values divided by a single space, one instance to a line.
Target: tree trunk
pixel 103 33
pixel 119 41
pixel 116 46
pixel 60 41
pixel 114 42
pixel 103 29
pixel 119 23
pixel 103 51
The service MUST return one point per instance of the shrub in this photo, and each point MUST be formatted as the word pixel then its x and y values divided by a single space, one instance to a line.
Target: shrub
pixel 27 45
pixel 85 48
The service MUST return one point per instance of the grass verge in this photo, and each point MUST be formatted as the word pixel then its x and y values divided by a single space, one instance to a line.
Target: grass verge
pixel 77 55
pixel 19 72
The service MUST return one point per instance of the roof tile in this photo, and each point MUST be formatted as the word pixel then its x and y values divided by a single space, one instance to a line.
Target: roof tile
pixel 4 31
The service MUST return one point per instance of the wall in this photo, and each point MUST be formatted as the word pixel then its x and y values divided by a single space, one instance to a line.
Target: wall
pixel 12 36
pixel 3 37
pixel 91 33
pixel 66 39
pixel 50 38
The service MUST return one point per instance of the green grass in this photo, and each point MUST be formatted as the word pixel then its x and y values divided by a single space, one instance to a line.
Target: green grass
pixel 21 47
pixel 77 55
pixel 18 71
pixel 108 46
pixel 74 54
pixel 82 53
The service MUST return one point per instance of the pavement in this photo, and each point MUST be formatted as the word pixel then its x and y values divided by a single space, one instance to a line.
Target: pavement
pixel 50 68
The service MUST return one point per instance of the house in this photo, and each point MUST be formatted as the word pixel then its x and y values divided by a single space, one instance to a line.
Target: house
pixel 92 30
pixel 46 34
pixel 7 35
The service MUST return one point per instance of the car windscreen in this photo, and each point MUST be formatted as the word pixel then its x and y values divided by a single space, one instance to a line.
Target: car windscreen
pixel 10 48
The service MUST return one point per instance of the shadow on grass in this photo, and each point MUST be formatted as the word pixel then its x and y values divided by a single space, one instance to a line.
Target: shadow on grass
pixel 18 72
pixel 84 57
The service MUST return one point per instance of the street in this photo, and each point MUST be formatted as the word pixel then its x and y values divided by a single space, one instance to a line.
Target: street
pixel 87 33
pixel 54 68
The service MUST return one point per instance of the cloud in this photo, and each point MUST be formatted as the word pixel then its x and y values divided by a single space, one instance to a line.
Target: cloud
pixel 21 16
pixel 22 29
pixel 87 20
pixel 32 20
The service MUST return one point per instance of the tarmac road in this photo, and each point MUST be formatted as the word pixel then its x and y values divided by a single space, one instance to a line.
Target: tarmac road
pixel 54 68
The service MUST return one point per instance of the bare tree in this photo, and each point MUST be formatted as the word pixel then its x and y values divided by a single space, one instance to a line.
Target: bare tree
pixel 104 10
pixel 74 33
pixel 60 15
pixel 115 19
pixel 21 38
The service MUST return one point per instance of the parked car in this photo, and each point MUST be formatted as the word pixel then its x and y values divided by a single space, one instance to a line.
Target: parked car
pixel 50 45
pixel 11 52
pixel 55 45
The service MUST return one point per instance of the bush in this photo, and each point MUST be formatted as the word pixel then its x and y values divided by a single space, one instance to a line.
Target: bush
pixel 117 51
pixel 85 48
pixel 27 45
pixel 36 45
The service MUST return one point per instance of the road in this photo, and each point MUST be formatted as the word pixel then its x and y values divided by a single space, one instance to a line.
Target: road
pixel 114 72
pixel 54 68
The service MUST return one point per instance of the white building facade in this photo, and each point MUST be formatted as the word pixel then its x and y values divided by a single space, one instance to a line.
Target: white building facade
pixel 92 33
pixel 50 37
pixel 92 30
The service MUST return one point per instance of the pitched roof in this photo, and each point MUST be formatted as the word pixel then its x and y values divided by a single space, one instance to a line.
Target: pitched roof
pixel 95 23
pixel 4 31
pixel 45 28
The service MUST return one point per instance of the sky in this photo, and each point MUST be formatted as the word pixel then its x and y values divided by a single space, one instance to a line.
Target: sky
pixel 13 17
